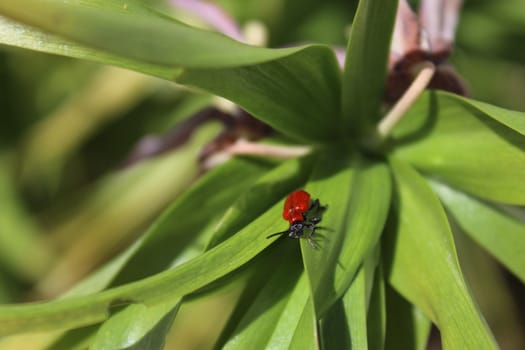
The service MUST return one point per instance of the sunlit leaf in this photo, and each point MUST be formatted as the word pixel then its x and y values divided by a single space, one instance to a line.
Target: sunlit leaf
pixel 266 315
pixel 449 139
pixel 357 193
pixel 366 63
pixel 308 81
pixel 143 36
pixel 165 286
pixel 122 331
pixel 422 263
pixel 132 30
pixel 377 312
pixel 494 229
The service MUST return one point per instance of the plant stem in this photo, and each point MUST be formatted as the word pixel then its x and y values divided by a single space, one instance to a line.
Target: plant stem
pixel 425 71
pixel 245 147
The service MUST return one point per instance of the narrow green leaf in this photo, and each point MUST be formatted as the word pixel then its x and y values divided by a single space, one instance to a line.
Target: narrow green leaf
pixel 512 119
pixel 144 40
pixel 345 324
pixel 115 210
pixel 334 328
pixel 495 230
pixel 145 257
pixel 262 318
pixel 131 30
pixel 193 212
pixel 355 302
pixel 165 286
pixel 21 35
pixel 377 313
pixel 305 336
pixel 406 327
pixel 122 331
pixel 489 284
pixel 297 95
pixel 293 319
pixel 422 263
pixel 366 63
pixel 357 193
pixel 461 145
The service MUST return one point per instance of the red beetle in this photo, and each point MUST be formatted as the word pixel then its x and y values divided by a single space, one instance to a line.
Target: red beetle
pixel 303 214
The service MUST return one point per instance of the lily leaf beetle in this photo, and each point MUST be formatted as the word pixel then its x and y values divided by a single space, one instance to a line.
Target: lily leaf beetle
pixel 303 214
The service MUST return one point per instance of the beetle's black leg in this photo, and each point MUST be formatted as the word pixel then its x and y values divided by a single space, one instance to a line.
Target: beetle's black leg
pixel 314 205
pixel 312 242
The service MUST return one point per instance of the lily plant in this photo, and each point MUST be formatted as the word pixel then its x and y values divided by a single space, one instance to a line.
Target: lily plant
pixel 403 162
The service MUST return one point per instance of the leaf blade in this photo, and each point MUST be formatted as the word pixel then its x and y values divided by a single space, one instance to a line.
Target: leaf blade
pixel 357 217
pixel 366 62
pixel 423 266
pixel 499 233
pixel 464 147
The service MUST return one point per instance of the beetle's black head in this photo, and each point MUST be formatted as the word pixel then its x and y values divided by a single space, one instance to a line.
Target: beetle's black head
pixel 296 229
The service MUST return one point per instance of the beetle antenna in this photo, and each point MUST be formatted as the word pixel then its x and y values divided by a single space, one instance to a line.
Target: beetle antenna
pixel 277 233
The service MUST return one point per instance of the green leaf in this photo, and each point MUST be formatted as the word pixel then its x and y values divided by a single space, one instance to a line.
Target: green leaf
pixel 422 263
pixel 355 302
pixel 357 193
pixel 115 210
pixel 449 139
pixel 345 324
pixel 193 212
pixel 138 38
pixel 494 229
pixel 512 119
pixel 289 323
pixel 264 316
pixel 153 253
pixel 17 34
pixel 406 327
pixel 305 336
pixel 131 30
pixel 489 284
pixel 297 95
pixel 366 63
pixel 377 313
pixel 165 286
pixel 124 330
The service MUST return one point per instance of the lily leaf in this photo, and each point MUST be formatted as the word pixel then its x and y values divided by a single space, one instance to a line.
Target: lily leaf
pixel 133 30
pixel 366 63
pixel 262 319
pixel 307 75
pixel 122 331
pixel 357 193
pixel 422 263
pixel 346 323
pixel 407 327
pixel 377 312
pixel 309 81
pixel 464 146
pixel 165 286
pixel 495 230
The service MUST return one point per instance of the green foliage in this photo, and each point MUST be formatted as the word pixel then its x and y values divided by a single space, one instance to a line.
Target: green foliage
pixel 123 252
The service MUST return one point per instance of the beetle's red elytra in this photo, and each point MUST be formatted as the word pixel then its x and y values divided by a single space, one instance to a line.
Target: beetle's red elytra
pixel 296 204
pixel 303 214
